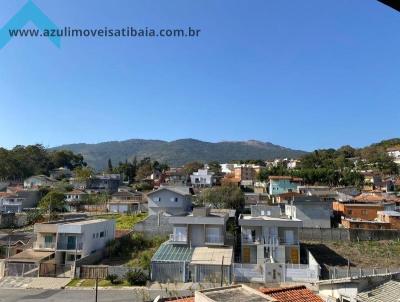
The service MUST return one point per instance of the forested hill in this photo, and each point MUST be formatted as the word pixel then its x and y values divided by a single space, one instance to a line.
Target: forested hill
pixel 179 152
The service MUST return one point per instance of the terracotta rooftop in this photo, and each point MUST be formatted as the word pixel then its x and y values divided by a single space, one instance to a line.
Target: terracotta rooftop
pixel 284 294
pixel 292 294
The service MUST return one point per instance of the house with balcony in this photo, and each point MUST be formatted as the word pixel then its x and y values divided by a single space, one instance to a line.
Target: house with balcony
pixel 197 250
pixel 75 238
pixel 11 203
pixel 203 178
pixel 127 202
pixel 201 228
pixel 269 237
pixel 76 199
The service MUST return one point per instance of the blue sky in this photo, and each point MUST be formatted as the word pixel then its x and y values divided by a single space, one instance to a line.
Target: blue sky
pixel 304 74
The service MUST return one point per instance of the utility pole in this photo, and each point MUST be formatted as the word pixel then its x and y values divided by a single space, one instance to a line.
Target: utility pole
pixel 222 270
pixel 97 284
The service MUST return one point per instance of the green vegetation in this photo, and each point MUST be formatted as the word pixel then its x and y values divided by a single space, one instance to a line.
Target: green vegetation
pixel 341 166
pixel 124 221
pixel 92 283
pixel 53 202
pixel 136 277
pixel 135 249
pixel 22 162
pixel 223 197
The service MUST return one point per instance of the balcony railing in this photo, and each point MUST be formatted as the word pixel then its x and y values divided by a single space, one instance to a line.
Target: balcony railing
pixel 214 239
pixel 44 246
pixel 70 246
pixel 178 238
pixel 269 241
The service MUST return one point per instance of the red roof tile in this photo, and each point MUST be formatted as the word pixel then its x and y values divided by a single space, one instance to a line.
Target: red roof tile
pixel 292 294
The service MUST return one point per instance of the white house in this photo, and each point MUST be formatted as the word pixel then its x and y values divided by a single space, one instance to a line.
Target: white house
pixel 394 153
pixel 75 237
pixel 203 178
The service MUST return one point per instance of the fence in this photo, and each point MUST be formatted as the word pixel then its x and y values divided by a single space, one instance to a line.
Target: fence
pixel 248 272
pixel 275 272
pixel 37 270
pixel 211 273
pixel 301 273
pixel 21 270
pixel 55 270
pixel 102 271
pixel 353 272
pixel 321 235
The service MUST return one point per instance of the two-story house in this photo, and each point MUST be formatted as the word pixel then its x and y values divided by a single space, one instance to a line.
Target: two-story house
pixel 170 200
pixel 127 202
pixel 283 184
pixel 197 249
pixel 75 237
pixel 11 203
pixel 269 237
pixel 203 178
pixel 76 199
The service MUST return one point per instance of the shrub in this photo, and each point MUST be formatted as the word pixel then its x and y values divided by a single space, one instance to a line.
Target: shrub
pixel 136 277
pixel 113 279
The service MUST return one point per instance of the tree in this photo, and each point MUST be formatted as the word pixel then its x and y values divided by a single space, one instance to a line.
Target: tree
pixel 110 166
pixel 53 201
pixel 193 166
pixel 215 167
pixel 83 173
pixel 224 197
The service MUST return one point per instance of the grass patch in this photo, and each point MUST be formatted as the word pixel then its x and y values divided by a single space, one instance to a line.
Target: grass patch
pixel 124 221
pixel 92 283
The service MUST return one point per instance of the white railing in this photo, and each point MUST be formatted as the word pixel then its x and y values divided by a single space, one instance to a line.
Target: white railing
pixel 44 245
pixel 268 240
pixel 178 238
pixel 214 239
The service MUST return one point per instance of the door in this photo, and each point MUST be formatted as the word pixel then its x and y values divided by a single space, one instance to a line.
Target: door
pixel 246 254
pixel 71 242
pixel 294 255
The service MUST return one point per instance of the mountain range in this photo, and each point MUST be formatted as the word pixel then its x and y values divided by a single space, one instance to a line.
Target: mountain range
pixel 178 152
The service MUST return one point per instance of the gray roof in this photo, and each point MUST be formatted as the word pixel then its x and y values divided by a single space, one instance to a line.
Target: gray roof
pixel 181 190
pixel 14 238
pixel 386 292
pixel 169 253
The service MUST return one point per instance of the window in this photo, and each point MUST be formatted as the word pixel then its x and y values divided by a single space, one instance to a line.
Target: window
pixel 101 234
pixel 94 235
pixel 350 212
pixel 364 212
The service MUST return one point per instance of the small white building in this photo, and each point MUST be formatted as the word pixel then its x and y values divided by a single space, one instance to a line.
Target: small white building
pixel 394 153
pixel 203 178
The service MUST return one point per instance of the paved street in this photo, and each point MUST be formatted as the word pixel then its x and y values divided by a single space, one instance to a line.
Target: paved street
pixel 36 295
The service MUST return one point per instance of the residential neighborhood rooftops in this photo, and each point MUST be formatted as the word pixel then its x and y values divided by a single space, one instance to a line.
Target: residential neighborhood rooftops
pixel 389 213
pixel 232 293
pixel 292 294
pixel 14 238
pixel 386 292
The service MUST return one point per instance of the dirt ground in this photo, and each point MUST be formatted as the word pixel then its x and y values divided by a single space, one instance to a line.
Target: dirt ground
pixel 360 254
